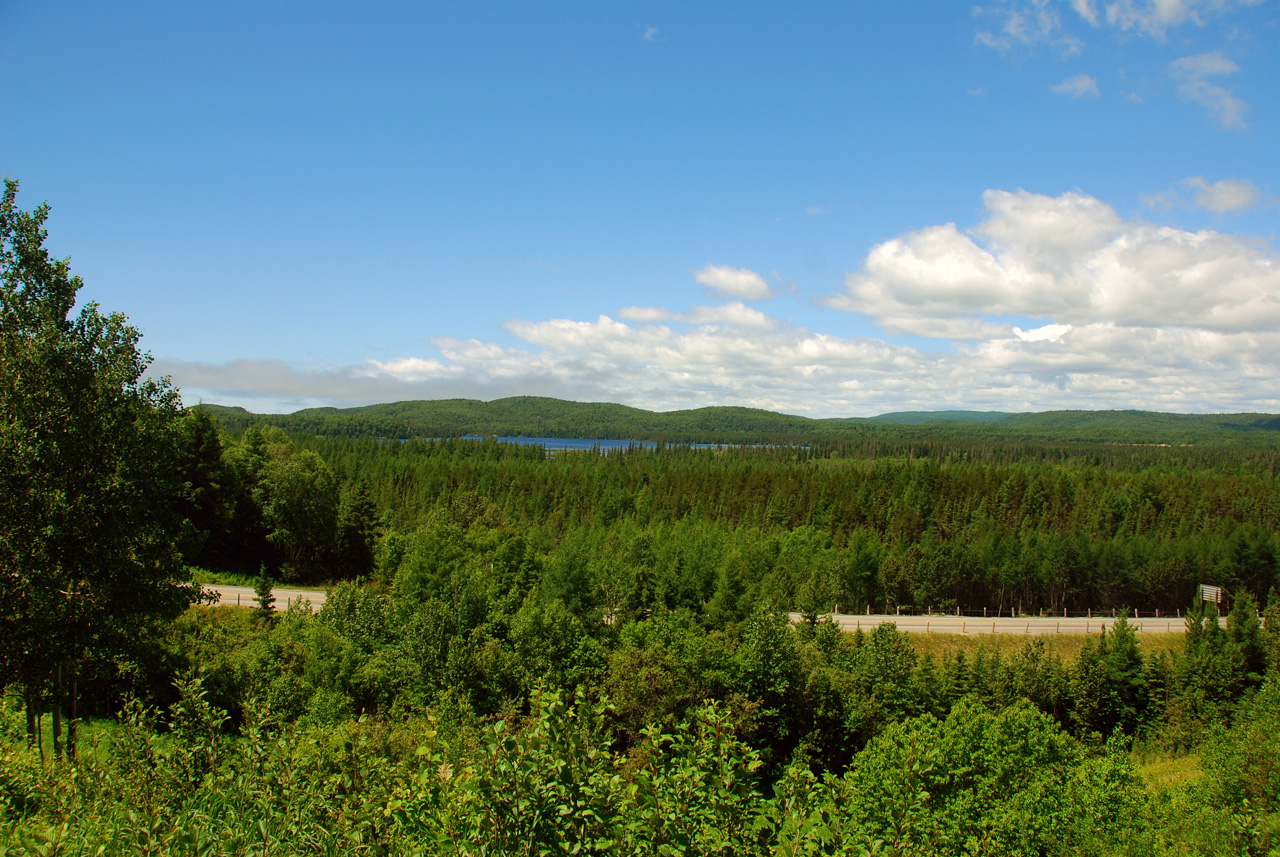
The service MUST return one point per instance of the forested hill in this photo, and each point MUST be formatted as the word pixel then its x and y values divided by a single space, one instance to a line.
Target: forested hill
pixel 531 416
pixel 1146 427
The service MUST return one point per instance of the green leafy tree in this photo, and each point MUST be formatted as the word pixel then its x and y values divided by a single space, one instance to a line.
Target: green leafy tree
pixel 988 782
pixel 694 791
pixel 545 638
pixel 89 491
pixel 301 507
pixel 548 789
pixel 1240 762
pixel 768 672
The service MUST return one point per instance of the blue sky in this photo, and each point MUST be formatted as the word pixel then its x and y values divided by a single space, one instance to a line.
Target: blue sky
pixel 830 209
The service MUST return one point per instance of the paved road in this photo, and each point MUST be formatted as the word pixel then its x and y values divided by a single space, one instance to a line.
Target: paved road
pixel 1029 625
pixel 243 596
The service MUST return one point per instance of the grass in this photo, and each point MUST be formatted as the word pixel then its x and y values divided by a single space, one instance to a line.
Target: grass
pixel 226 578
pixel 93 733
pixel 1065 645
pixel 1162 773
pixel 221 578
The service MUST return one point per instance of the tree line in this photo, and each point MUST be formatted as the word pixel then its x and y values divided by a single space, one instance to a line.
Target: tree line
pixel 532 416
pixel 800 529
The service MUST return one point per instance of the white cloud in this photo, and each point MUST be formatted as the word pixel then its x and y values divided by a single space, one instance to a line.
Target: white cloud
pixel 1221 197
pixel 1151 17
pixel 788 369
pixel 1049 302
pixel 1191 72
pixel 1025 26
pixel 814 209
pixel 1203 65
pixel 1077 86
pixel 734 282
pixel 645 314
pixel 1047 333
pixel 734 314
pixel 650 33
pixel 1156 17
pixel 1069 260
pixel 1225 195
pixel 1087 10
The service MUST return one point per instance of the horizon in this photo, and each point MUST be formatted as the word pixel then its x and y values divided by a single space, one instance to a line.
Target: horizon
pixel 828 212
pixel 780 413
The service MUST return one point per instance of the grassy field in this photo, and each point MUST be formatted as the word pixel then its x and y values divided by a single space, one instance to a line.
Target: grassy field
pixel 1066 645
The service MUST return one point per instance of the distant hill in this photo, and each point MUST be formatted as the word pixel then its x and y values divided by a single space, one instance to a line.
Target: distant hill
pixel 910 418
pixel 532 416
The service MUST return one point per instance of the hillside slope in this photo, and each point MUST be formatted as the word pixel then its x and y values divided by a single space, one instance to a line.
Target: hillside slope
pixel 531 416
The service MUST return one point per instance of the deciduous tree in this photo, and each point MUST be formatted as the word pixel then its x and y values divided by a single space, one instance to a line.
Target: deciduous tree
pixel 89 495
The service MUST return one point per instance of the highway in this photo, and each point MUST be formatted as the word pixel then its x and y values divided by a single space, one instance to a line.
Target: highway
pixel 1026 625
pixel 243 596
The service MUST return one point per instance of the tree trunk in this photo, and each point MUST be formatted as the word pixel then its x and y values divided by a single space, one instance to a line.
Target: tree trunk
pixel 73 722
pixel 32 725
pixel 56 731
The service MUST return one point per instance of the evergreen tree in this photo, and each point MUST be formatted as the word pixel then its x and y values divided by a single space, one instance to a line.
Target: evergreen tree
pixel 262 592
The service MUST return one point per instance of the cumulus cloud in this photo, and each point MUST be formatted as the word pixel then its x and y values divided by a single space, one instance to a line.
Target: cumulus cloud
pixel 1049 302
pixel 1193 73
pixel 788 369
pixel 735 314
pixel 1069 260
pixel 1047 333
pixel 646 314
pixel 1077 86
pixel 1221 197
pixel 734 282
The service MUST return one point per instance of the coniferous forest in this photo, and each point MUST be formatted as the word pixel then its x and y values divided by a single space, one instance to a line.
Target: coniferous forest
pixel 529 652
